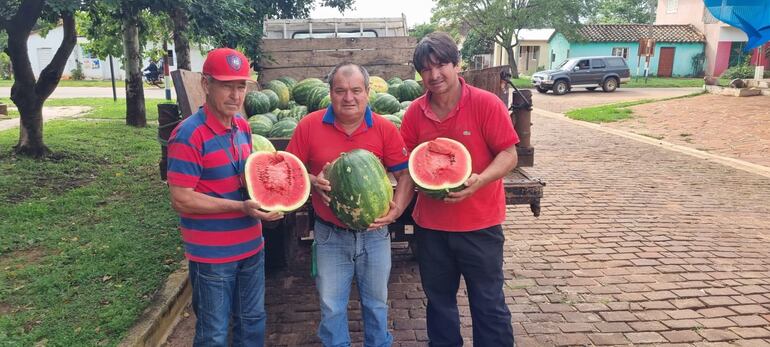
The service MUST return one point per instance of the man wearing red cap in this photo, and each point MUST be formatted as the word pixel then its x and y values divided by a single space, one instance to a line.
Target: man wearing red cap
pixel 221 227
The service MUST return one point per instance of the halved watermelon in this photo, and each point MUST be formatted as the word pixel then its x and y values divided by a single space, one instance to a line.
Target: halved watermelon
pixel 278 181
pixel 440 166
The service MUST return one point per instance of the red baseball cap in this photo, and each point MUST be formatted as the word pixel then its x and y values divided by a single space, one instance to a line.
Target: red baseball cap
pixel 226 64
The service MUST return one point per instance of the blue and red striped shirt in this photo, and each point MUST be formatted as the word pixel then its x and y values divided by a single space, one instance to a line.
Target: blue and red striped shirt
pixel 206 156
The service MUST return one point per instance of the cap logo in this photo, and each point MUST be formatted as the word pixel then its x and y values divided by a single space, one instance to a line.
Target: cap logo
pixel 234 61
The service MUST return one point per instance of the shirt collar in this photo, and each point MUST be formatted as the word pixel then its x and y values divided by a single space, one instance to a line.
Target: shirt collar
pixel 424 103
pixel 329 116
pixel 214 124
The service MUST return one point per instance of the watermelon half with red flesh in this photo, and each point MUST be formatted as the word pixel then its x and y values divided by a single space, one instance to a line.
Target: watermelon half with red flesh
pixel 277 181
pixel 440 166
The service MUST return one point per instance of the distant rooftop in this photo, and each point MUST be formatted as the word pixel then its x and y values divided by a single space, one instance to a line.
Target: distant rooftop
pixel 634 32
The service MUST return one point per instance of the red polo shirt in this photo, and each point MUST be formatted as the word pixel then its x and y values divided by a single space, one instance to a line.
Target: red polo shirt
pixel 480 122
pixel 318 140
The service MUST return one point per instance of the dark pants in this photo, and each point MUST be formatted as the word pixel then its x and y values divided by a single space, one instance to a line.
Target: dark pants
pixel 478 257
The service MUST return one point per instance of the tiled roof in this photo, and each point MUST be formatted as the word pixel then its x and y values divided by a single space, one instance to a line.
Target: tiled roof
pixel 634 32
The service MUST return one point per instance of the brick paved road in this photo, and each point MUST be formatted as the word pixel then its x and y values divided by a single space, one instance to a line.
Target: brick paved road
pixel 635 245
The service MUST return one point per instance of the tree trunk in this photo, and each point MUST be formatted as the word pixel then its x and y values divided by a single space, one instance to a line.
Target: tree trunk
pixel 136 115
pixel 27 93
pixel 181 42
pixel 512 62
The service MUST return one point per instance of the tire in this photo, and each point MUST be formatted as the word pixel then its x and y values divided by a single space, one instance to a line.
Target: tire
pixel 560 87
pixel 610 84
pixel 591 88
pixel 541 89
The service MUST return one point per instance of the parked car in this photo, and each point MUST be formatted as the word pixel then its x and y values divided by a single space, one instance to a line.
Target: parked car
pixel 589 72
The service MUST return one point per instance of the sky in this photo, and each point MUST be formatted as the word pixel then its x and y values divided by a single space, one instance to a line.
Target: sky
pixel 416 11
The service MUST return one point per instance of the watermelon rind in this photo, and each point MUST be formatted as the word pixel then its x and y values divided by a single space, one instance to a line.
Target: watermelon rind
pixel 281 208
pixel 440 191
pixel 361 191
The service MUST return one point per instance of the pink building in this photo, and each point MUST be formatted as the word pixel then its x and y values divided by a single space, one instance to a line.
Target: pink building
pixel 724 43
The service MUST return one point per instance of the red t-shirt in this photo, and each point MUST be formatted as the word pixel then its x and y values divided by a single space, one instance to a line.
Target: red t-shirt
pixel 318 140
pixel 480 122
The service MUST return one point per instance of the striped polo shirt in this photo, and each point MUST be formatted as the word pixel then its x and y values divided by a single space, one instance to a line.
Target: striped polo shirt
pixel 206 156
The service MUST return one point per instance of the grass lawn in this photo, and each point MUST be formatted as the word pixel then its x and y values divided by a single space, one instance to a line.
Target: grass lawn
pixel 88 234
pixel 102 108
pixel 613 112
pixel 666 82
pixel 71 83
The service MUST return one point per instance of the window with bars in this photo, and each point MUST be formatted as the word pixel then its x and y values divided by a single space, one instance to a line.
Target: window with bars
pixel 672 6
pixel 620 52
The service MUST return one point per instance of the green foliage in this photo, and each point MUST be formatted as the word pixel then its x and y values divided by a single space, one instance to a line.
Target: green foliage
pixel 476 44
pixel 87 237
pixel 77 73
pixel 739 71
pixel 420 30
pixel 623 12
pixel 5 66
pixel 698 61
pixel 501 20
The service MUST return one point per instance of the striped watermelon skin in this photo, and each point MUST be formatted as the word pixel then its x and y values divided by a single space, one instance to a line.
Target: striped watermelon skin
pixel 256 103
pixel 409 90
pixel 303 89
pixel 281 91
pixel 272 96
pixel 283 128
pixel 386 104
pixel 361 190
pixel 261 143
pixel 378 84
pixel 260 125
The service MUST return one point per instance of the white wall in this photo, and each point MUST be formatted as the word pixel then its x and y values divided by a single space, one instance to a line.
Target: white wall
pixel 41 50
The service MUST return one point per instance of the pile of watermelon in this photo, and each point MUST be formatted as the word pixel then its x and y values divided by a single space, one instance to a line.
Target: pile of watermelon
pixel 275 110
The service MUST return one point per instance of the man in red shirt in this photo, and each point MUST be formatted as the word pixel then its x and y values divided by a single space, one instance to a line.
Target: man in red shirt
pixel 343 253
pixel 462 234
pixel 220 226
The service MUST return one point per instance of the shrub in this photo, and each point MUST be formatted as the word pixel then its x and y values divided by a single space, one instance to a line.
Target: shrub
pixel 77 73
pixel 739 71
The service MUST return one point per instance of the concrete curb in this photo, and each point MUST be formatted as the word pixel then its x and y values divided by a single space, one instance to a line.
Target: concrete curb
pixel 734 163
pixel 157 322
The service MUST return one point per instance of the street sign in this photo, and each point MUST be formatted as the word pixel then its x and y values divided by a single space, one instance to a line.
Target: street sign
pixel 646 47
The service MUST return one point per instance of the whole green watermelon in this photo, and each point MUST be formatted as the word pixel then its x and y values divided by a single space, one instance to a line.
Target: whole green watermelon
pixel 409 90
pixel 386 104
pixel 316 95
pixel 303 89
pixel 260 125
pixel 272 96
pixel 395 90
pixel 283 128
pixel 256 103
pixel 405 104
pixel 361 190
pixel 281 91
pixel 393 119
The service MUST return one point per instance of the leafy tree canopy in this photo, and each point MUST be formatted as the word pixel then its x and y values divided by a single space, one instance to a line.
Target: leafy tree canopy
pixel 623 12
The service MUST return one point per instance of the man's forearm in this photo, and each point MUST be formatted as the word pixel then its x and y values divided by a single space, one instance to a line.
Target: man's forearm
pixel 404 190
pixel 189 201
pixel 503 163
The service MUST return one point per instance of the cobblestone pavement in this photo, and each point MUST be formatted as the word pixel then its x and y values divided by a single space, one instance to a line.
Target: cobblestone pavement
pixel 580 97
pixel 635 245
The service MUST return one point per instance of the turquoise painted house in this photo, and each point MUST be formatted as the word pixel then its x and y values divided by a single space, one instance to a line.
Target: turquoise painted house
pixel 679 49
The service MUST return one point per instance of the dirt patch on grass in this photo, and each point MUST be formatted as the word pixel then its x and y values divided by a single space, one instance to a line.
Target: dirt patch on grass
pixel 55 177
pixel 735 127
pixel 22 257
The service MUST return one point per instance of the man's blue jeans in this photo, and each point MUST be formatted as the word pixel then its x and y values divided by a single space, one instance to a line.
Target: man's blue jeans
pixel 341 255
pixel 234 289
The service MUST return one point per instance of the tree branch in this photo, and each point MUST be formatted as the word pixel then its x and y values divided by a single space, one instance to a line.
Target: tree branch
pixel 51 74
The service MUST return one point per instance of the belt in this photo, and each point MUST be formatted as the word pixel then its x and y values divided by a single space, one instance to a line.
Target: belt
pixel 335 226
